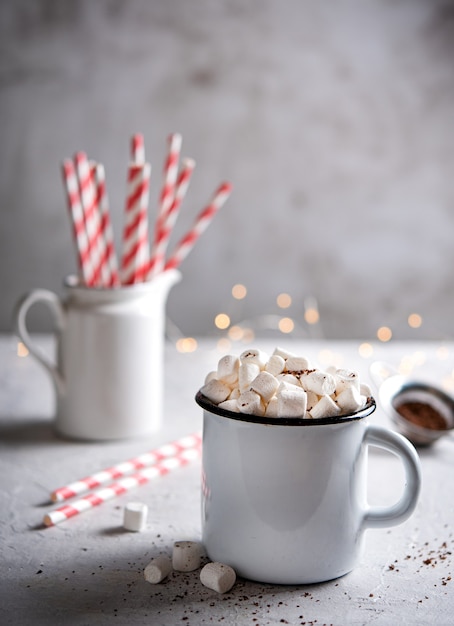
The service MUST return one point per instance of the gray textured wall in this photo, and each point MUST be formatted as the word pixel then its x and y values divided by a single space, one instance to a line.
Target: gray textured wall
pixel 334 121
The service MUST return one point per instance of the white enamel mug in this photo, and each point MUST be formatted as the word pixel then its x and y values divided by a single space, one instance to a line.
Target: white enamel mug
pixel 284 501
pixel 108 374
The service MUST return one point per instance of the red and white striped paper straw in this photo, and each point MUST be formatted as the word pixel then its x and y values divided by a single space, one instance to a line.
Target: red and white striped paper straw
pixel 109 258
pixel 170 177
pixel 202 221
pixel 122 486
pixel 91 214
pixel 138 148
pixel 164 229
pixel 152 457
pixel 136 251
pixel 78 222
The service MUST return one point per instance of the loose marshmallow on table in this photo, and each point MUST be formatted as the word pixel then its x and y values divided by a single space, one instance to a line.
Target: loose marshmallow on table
pixel 158 569
pixel 186 556
pixel 135 516
pixel 218 576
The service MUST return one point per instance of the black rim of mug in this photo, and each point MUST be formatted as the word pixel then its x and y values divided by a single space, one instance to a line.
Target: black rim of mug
pixel 209 406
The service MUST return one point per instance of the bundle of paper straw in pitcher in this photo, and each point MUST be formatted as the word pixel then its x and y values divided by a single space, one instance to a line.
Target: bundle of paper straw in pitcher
pixel 142 257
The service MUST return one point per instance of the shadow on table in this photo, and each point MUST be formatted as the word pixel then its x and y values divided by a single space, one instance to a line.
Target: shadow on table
pixel 95 592
pixel 19 430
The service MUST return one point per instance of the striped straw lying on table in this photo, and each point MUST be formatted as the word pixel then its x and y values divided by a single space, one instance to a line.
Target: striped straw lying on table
pixel 152 464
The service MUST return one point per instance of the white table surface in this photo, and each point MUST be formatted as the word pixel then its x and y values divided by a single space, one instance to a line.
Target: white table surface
pixel 88 570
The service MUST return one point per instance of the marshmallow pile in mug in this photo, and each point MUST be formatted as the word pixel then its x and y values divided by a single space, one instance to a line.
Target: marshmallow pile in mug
pixel 283 385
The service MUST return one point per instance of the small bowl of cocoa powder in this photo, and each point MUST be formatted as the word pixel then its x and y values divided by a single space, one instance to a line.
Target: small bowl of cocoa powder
pixel 420 411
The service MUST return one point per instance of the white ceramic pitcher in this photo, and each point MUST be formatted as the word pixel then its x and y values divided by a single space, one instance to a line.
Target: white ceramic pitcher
pixel 108 374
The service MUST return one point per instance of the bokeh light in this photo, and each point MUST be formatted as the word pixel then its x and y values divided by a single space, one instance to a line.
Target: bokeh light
pixel 284 300
pixel 286 325
pixel 186 344
pixel 239 291
pixel 384 333
pixel 222 321
pixel 330 358
pixel 224 345
pixel 414 320
pixel 236 333
pixel 248 335
pixel 365 350
pixel 311 315
pixel 22 350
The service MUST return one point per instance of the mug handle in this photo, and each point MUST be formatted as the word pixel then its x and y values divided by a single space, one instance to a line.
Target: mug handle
pixel 383 517
pixel 52 301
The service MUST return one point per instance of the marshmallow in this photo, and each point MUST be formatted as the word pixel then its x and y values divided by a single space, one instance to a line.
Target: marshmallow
pixel 283 353
pixel 292 401
pixel 265 384
pixel 216 391
pixel 254 356
pixel 349 400
pixel 296 364
pixel 325 407
pixel 272 407
pixel 230 405
pixel 186 556
pixel 248 371
pixel 210 376
pixel 218 577
pixel 250 402
pixel 259 385
pixel 275 365
pixel 319 382
pixel 346 378
pixel 288 378
pixel 135 516
pixel 158 569
pixel 312 399
pixel 228 369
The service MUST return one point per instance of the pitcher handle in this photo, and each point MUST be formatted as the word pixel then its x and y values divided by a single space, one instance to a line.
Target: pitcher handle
pixel 383 517
pixel 52 301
